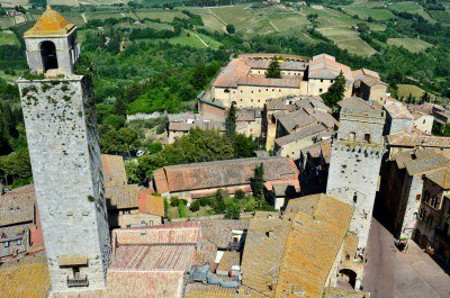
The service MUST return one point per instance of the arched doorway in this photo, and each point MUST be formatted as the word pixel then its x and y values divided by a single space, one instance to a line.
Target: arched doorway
pixel 348 276
pixel 48 53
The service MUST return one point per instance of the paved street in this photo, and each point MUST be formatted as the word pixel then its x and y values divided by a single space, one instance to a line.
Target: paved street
pixel 390 273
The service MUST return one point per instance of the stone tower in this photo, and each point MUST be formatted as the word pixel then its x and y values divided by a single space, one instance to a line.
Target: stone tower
pixel 63 142
pixel 355 164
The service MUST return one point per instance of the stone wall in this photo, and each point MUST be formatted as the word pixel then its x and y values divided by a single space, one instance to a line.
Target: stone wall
pixel 353 178
pixel 63 143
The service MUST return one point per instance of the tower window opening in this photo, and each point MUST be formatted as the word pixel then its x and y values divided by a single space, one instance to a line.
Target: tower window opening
pixel 355 198
pixel 367 138
pixel 48 53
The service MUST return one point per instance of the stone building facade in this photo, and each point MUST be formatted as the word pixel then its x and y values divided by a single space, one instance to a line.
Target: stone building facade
pixel 63 141
pixel 355 164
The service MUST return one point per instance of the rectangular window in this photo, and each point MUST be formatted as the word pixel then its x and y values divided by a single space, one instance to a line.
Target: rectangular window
pixel 19 242
pixel 6 244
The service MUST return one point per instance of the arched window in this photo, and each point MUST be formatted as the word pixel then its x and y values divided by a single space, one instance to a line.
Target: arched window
pixel 48 53
pixel 226 91
pixel 355 198
pixel 367 138
pixel 351 136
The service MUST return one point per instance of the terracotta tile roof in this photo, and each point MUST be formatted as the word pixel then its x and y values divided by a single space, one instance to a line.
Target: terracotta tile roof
pixel 356 103
pixel 412 140
pixel 152 258
pixel 121 196
pixel 420 161
pixel 397 110
pixel 113 168
pixel 363 72
pixel 312 102
pixel 326 67
pixel 441 177
pixel 322 117
pixel 14 284
pixel 219 231
pixel 181 233
pixel 371 81
pixel 229 259
pixel 263 252
pixel 144 284
pixel 290 256
pixel 308 256
pixel 151 204
pixel 18 206
pixel 199 290
pixel 221 173
pixel 51 23
pixel 309 131
pixel 296 120
pixel 237 72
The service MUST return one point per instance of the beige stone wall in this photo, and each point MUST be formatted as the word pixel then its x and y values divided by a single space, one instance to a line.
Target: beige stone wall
pixel 319 86
pixel 251 128
pixel 424 123
pixel 292 150
pixel 252 96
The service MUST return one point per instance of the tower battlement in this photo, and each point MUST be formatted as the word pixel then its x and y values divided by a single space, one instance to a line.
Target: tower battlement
pixel 363 150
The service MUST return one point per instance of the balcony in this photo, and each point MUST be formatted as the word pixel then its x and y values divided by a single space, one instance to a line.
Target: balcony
pixel 77 282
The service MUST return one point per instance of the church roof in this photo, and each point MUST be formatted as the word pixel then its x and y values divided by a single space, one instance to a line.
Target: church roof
pixel 50 24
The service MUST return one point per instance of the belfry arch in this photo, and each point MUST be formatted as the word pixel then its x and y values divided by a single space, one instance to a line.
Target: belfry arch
pixel 48 54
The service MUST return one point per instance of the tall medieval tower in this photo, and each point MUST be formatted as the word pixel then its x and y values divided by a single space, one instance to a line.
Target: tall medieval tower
pixel 355 165
pixel 63 142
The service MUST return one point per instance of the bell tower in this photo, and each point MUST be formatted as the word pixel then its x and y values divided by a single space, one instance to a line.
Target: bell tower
pixel 63 141
pixel 51 44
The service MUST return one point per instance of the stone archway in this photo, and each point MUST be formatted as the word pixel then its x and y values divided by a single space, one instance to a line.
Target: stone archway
pixel 349 276
pixel 48 54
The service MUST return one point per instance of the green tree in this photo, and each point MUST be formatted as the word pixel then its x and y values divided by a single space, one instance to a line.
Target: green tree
pixel 245 146
pixel 233 210
pixel 230 29
pixel 230 122
pixel 257 182
pixel 199 76
pixel 336 92
pixel 181 209
pixel 114 121
pixel 425 98
pixel 120 108
pixel 274 69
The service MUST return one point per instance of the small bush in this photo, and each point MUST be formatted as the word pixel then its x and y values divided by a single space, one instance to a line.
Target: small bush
pixel 240 194
pixel 195 206
pixel 204 202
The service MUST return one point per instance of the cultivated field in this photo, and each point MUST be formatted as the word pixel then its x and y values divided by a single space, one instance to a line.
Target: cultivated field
pixel 404 90
pixel 412 7
pixel 165 16
pixel 413 45
pixel 8 38
pixel 348 39
pixel 378 14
